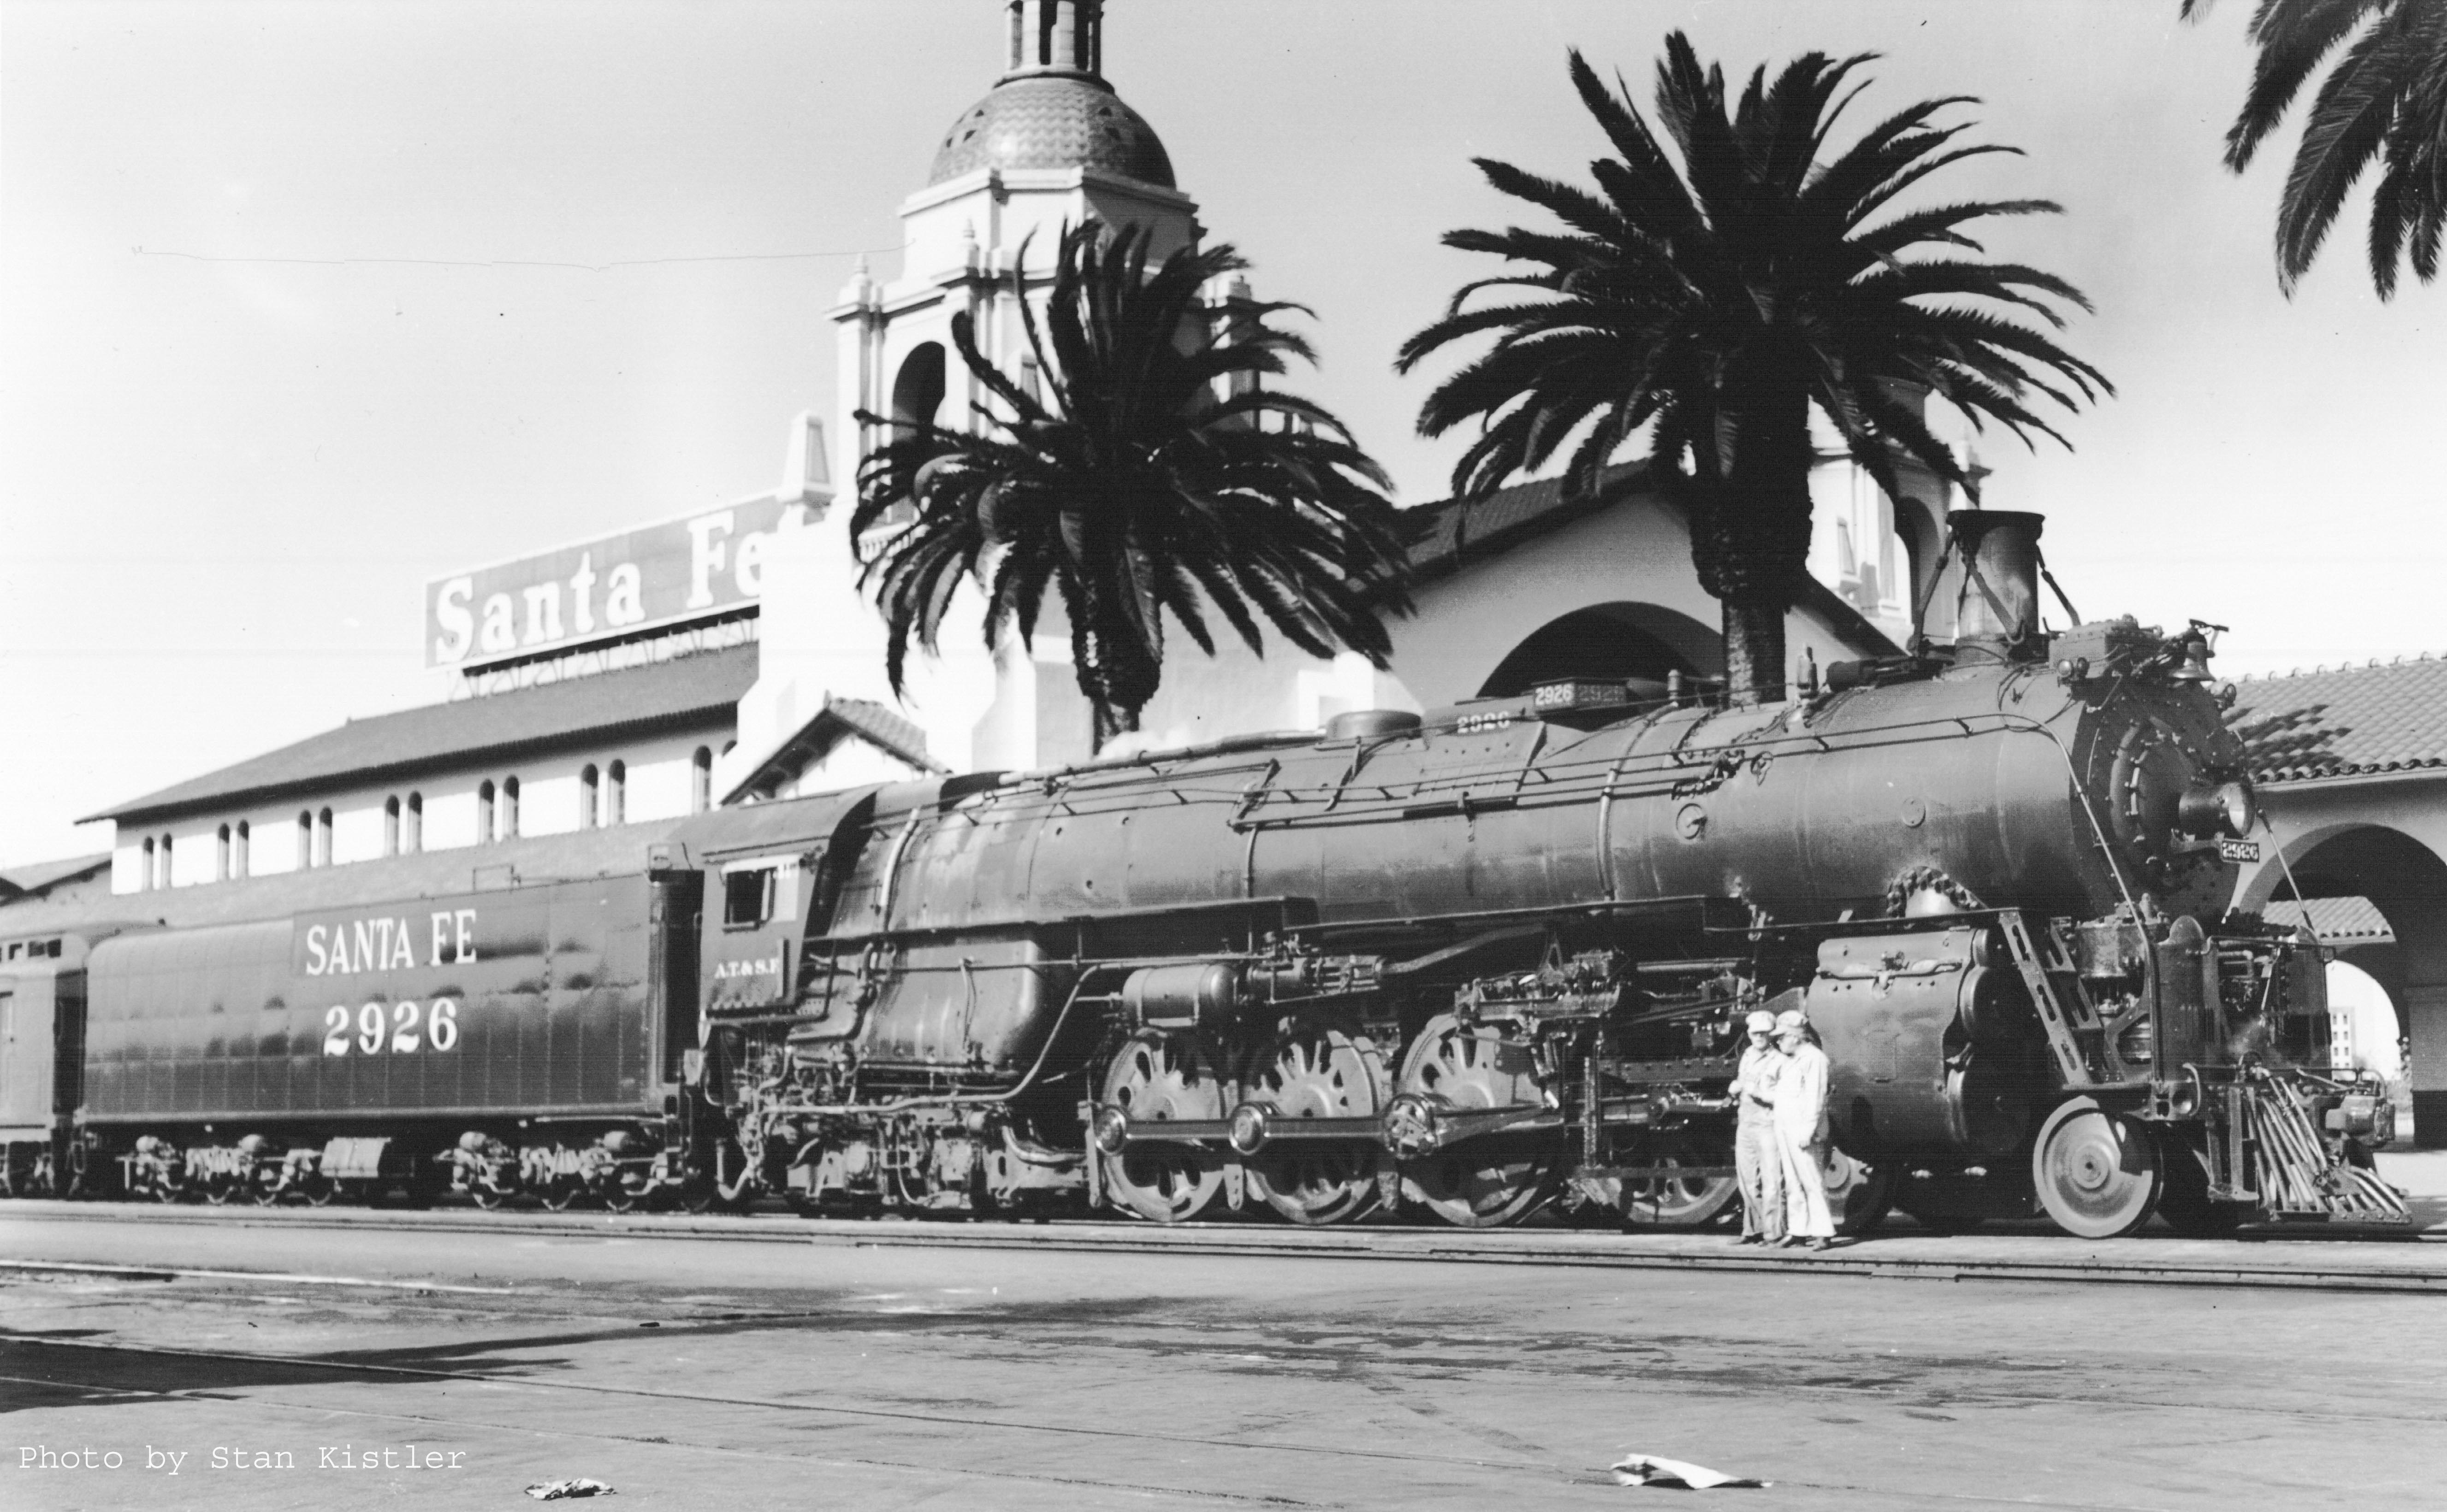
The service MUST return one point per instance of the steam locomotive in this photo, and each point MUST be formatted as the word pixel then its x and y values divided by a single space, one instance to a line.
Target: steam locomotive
pixel 1466 966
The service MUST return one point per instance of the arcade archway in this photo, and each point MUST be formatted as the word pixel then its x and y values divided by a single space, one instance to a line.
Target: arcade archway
pixel 1608 643
pixel 2406 882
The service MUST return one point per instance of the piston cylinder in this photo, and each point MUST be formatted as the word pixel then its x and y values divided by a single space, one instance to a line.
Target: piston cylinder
pixel 1930 1045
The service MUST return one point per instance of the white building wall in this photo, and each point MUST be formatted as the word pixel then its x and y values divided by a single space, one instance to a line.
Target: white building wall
pixel 658 787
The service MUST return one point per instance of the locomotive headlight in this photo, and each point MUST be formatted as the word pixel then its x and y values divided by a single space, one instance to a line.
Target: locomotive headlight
pixel 2211 809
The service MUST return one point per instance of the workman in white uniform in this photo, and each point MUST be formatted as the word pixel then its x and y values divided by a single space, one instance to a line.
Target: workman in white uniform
pixel 1756 1161
pixel 1800 1101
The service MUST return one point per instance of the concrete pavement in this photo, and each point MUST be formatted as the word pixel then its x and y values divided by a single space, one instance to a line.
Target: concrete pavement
pixel 695 1372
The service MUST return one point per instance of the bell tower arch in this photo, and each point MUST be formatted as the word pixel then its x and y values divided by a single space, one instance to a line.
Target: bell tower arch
pixel 1051 146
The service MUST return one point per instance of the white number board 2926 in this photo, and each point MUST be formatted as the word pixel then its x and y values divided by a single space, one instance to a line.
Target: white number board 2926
pixel 399 1028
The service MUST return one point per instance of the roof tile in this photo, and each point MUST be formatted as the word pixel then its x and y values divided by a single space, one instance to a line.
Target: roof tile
pixel 2351 722
pixel 701 684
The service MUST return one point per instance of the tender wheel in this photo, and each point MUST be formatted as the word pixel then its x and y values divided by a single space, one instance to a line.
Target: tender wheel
pixel 1858 1196
pixel 1163 1077
pixel 1318 1074
pixel 1500 1178
pixel 565 1194
pixel 1679 1201
pixel 2098 1175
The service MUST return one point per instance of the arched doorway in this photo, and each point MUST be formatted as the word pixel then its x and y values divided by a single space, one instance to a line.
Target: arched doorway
pixel 2406 882
pixel 1608 643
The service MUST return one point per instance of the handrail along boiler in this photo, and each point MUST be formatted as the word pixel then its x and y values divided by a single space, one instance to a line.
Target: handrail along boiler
pixel 1495 957
pixel 1470 964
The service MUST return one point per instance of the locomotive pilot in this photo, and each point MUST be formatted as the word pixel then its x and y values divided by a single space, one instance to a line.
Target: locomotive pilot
pixel 1801 1099
pixel 1756 1161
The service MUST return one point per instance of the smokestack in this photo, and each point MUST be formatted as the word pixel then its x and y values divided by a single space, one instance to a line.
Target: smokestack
pixel 1997 610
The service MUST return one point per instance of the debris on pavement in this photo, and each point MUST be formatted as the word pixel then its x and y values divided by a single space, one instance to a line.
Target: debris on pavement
pixel 1647 1470
pixel 577 1486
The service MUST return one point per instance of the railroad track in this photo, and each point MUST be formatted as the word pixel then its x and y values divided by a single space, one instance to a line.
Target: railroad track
pixel 2401 1264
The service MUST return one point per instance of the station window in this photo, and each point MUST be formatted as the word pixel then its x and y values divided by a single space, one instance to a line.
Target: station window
pixel 323 838
pixel 164 857
pixel 145 878
pixel 241 858
pixel 221 856
pixel 509 809
pixel 590 793
pixel 701 781
pixel 485 812
pixel 413 837
pixel 305 838
pixel 391 826
pixel 747 897
pixel 616 794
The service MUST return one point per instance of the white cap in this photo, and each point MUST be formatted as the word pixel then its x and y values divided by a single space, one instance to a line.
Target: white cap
pixel 1761 1021
pixel 1792 1018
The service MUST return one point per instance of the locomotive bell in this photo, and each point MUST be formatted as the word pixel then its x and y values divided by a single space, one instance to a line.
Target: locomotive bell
pixel 1996 608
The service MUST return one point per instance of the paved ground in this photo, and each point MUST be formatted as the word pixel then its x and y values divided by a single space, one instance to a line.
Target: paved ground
pixel 699 1373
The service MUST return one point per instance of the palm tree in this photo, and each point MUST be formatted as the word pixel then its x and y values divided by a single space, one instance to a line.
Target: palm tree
pixel 2384 101
pixel 1152 475
pixel 1716 302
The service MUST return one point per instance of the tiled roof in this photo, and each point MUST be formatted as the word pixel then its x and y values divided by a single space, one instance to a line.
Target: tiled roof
pixel 43 875
pixel 2337 920
pixel 1454 533
pixel 2352 721
pixel 887 730
pixel 629 701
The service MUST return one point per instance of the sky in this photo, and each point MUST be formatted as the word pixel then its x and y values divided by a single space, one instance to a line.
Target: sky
pixel 304 304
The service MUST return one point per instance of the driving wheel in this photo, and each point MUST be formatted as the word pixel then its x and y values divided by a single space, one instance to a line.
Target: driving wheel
pixel 1312 1072
pixel 1671 1201
pixel 1162 1078
pixel 1495 1178
pixel 2099 1174
pixel 1858 1196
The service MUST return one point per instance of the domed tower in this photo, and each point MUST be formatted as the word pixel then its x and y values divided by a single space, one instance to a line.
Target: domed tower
pixel 1051 144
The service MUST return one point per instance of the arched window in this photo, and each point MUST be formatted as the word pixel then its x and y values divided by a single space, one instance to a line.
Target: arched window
pixel 168 877
pixel 145 880
pixel 701 781
pixel 590 787
pixel 616 794
pixel 221 856
pixel 305 838
pixel 391 826
pixel 412 835
pixel 509 809
pixel 918 390
pixel 485 812
pixel 323 838
pixel 241 863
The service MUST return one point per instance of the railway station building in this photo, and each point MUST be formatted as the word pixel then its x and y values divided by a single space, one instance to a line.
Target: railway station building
pixel 729 656
pixel 2351 765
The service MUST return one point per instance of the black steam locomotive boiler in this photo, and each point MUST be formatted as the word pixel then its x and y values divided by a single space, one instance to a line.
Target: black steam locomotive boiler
pixel 1468 966
pixel 1476 962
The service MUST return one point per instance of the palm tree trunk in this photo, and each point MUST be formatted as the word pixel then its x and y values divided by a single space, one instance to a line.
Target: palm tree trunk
pixel 1115 672
pixel 1753 627
pixel 1752 539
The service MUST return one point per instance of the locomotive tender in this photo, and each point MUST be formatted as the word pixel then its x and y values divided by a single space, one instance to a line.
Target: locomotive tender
pixel 1468 965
